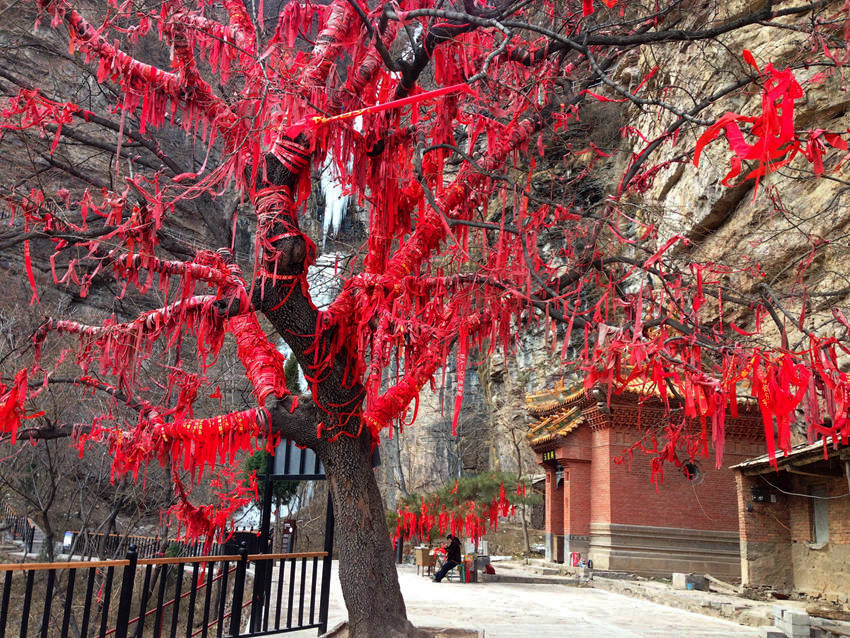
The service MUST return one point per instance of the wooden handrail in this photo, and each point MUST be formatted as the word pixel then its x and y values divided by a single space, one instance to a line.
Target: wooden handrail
pixel 176 560
pixel 172 560
pixel 88 533
pixel 16 567
pixel 295 555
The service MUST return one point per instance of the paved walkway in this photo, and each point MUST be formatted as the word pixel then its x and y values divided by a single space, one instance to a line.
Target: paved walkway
pixel 516 610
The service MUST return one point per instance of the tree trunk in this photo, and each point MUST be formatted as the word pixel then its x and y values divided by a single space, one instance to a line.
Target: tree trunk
pixel 523 511
pixel 367 569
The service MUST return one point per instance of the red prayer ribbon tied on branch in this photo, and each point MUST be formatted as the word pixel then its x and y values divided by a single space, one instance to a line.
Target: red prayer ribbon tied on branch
pixel 263 362
pixel 12 401
pixel 210 522
pixel 193 444
pixel 776 141
pixel 588 8
pixel 316 121
pixel 782 383
pixel 202 442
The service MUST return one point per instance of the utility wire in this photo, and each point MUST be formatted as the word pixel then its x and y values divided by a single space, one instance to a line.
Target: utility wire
pixel 824 498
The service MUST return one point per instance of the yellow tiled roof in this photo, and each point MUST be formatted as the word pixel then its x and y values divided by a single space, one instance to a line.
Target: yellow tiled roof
pixel 547 401
pixel 558 424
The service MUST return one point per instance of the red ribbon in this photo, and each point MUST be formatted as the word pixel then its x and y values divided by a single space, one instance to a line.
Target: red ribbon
pixel 316 121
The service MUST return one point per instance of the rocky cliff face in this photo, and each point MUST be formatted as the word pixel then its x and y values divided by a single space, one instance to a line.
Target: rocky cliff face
pixel 791 223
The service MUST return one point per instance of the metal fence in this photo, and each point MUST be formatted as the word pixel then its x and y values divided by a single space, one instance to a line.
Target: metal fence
pixel 19 527
pixel 90 545
pixel 203 596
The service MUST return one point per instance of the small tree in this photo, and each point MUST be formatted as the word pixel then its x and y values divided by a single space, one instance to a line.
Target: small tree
pixel 282 491
pixel 467 507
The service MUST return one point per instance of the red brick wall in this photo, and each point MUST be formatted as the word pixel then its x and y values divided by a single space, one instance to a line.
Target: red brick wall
pixel 577 498
pixel 824 569
pixel 801 510
pixel 710 503
pixel 777 536
pixel 600 471
pixel 839 513
pixel 766 522
pixel 554 504
pixel 800 515
pixel 575 456
pixel 600 491
pixel 766 556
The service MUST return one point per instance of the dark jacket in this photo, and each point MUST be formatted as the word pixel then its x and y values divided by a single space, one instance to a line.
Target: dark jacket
pixel 453 550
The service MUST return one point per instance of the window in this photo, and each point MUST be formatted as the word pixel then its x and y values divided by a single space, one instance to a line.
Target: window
pixel 820 515
pixel 692 473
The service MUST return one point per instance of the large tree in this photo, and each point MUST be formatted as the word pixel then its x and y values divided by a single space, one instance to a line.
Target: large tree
pixel 437 117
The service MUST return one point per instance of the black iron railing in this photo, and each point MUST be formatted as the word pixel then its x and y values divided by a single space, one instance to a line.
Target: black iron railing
pixel 19 527
pixel 202 596
pixel 88 545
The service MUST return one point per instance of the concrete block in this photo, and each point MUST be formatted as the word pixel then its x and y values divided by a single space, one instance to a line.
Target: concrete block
pixel 791 617
pixel 771 632
pixel 690 581
pixel 792 631
pixel 794 623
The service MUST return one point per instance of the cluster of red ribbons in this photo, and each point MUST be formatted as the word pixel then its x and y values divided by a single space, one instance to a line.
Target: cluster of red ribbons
pixel 776 141
pixel 211 521
pixel 263 362
pixel 195 445
pixel 782 384
pixel 467 518
pixel 588 8
pixel 12 411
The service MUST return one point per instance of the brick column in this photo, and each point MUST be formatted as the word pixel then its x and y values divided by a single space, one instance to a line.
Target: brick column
pixel 766 557
pixel 576 507
pixel 554 516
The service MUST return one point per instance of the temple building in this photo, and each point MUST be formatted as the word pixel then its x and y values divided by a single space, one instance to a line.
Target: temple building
pixel 604 503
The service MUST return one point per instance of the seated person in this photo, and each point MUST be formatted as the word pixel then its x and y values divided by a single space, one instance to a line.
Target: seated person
pixel 452 557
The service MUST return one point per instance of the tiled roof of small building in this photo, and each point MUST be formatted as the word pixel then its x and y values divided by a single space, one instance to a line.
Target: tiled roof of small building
pixel 560 410
pixel 799 455
pixel 558 424
pixel 554 400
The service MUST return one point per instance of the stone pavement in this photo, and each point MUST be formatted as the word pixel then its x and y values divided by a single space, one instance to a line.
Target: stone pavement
pixel 539 610
pixel 722 605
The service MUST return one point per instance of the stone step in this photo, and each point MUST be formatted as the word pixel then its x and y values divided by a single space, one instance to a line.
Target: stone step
pixel 527 579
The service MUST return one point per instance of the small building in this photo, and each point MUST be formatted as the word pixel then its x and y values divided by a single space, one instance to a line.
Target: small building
pixel 607 504
pixel 795 520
